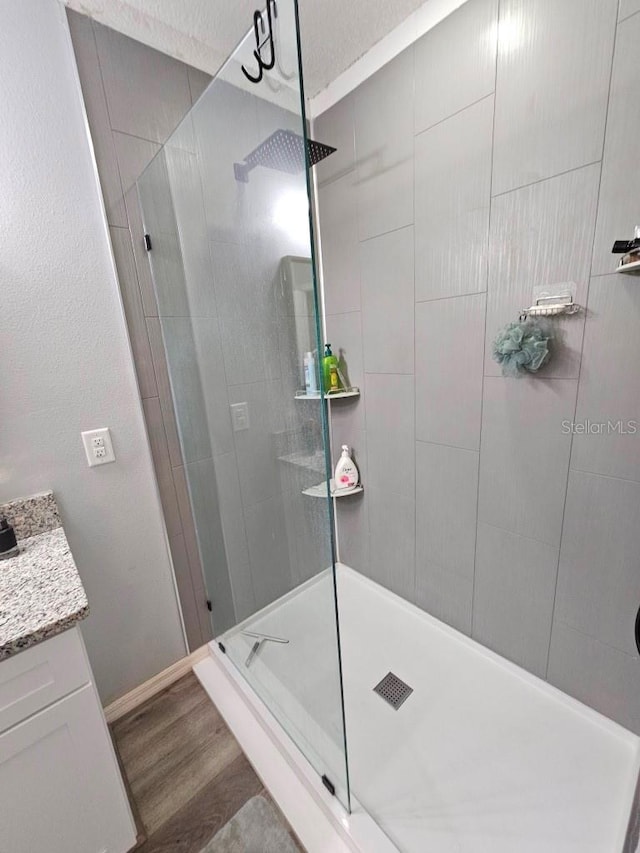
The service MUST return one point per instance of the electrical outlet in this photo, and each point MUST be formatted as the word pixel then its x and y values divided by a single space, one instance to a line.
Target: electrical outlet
pixel 98 447
pixel 240 416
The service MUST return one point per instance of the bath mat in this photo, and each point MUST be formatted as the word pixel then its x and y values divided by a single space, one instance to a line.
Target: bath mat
pixel 255 828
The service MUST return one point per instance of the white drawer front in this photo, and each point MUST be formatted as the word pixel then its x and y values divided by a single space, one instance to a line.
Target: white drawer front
pixel 35 678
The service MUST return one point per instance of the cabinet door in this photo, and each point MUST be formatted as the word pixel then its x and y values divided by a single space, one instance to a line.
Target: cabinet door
pixel 60 787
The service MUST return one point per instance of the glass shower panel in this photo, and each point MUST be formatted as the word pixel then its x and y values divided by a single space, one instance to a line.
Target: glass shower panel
pixel 226 208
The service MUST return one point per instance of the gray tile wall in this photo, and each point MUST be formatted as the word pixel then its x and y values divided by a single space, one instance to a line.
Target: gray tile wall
pixel 495 155
pixel 135 97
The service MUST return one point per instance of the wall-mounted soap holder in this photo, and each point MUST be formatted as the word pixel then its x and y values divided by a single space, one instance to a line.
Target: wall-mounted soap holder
pixel 551 305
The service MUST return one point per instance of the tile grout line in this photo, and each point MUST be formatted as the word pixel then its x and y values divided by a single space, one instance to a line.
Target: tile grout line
pixel 584 335
pixel 604 476
pixel 415 352
pixel 418 133
pixel 486 314
pixel 546 178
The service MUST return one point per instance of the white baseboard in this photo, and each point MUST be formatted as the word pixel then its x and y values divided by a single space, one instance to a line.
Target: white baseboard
pixel 119 707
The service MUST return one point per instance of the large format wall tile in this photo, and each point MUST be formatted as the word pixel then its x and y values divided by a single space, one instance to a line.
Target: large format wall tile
pixel 541 236
pixel 235 537
pixel 619 206
pixel 186 387
pixel 193 550
pixel 384 148
pixel 84 46
pixel 391 461
pixel 449 352
pixel 445 595
pixel 337 204
pixel 154 330
pixel 134 155
pixel 219 145
pixel 352 519
pixel 628 8
pixel 386 271
pixel 204 501
pixel 208 347
pixel 446 504
pixel 392 532
pixel 456 62
pixel 186 193
pixel 188 604
pixel 255 447
pixel 596 674
pixel 132 301
pixel 198 82
pixel 453 194
pixel 336 127
pixel 513 599
pixel 609 394
pixel 599 580
pixel 162 465
pixel 247 310
pixel 554 62
pixel 352 513
pixel 268 550
pixel 151 111
pixel 524 456
pixel 344 333
pixel 143 267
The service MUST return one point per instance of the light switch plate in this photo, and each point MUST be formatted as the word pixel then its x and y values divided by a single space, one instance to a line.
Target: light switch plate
pixel 98 447
pixel 240 416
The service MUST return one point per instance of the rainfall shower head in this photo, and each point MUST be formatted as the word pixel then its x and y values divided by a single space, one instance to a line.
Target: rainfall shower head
pixel 284 152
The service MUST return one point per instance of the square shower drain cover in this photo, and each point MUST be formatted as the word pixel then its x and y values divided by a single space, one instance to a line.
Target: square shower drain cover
pixel 393 690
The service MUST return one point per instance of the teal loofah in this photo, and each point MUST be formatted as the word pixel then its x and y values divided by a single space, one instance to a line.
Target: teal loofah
pixel 522 347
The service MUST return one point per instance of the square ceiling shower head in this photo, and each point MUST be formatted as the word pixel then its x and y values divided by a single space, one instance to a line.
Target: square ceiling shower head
pixel 284 152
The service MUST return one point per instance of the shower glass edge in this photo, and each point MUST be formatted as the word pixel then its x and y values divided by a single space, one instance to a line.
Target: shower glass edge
pixel 234 279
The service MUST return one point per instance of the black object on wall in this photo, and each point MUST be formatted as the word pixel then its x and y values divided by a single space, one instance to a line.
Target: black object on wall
pixel 264 37
pixel 283 151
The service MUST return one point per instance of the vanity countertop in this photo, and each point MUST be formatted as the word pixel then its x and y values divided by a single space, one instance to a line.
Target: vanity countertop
pixel 41 593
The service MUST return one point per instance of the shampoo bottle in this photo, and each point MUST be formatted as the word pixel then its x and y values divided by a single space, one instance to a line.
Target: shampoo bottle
pixel 310 384
pixel 328 362
pixel 346 474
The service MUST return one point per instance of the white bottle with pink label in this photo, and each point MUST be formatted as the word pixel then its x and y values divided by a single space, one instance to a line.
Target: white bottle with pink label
pixel 346 474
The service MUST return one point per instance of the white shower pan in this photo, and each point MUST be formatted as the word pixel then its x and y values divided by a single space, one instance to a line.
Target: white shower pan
pixel 482 757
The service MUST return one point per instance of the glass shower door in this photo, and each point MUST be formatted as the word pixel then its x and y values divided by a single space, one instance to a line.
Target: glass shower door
pixel 225 205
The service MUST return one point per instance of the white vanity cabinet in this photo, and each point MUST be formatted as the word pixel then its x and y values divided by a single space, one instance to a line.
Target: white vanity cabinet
pixel 60 785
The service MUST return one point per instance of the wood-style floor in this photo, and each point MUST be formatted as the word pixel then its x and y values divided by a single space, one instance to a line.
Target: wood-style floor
pixel 186 773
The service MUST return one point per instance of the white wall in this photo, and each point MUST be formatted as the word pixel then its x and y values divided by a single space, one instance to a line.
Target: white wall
pixel 66 363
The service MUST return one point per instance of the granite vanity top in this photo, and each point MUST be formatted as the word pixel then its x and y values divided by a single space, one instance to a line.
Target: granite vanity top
pixel 41 593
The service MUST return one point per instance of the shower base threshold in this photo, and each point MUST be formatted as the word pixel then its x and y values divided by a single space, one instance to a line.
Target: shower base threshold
pixel 482 757
pixel 317 817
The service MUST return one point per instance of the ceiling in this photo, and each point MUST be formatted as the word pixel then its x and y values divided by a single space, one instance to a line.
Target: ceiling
pixel 203 33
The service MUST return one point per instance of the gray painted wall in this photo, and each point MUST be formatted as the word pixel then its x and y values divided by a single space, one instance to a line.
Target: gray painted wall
pixel 135 97
pixel 66 358
pixel 468 172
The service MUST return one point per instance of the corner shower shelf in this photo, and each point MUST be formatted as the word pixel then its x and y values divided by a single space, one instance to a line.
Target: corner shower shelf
pixel 336 395
pixel 630 269
pixel 320 491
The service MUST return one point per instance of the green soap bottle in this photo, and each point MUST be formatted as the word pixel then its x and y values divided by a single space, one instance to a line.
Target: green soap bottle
pixel 328 362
